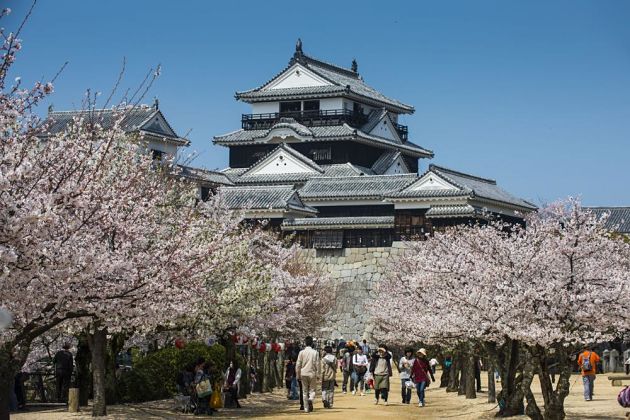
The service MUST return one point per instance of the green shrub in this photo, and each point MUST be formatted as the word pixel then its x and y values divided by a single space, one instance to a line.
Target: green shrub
pixel 154 375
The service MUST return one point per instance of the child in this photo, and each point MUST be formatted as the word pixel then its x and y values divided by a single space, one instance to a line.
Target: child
pixel 369 382
pixel 329 371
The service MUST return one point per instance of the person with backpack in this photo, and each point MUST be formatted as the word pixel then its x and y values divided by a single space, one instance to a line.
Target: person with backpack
pixel 360 367
pixel 346 367
pixel 587 361
pixel 329 371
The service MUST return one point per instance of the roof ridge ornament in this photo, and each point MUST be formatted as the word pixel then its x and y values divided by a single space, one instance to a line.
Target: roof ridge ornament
pixel 298 55
pixel 355 66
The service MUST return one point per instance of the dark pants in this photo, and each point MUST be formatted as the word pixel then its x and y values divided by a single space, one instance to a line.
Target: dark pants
pixel 381 393
pixel 347 375
pixel 62 385
pixel 234 396
pixel 405 392
pixel 301 396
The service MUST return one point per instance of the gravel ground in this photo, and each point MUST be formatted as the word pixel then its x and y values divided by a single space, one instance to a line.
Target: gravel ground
pixel 440 405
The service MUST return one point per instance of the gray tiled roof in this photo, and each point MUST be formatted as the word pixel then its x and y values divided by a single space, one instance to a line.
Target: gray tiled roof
pixel 345 83
pixel 480 187
pixel 291 151
pixel 264 198
pixel 134 119
pixel 385 161
pixel 239 177
pixel 204 175
pixel 618 217
pixel 467 186
pixel 376 115
pixel 346 169
pixel 463 210
pixel 328 133
pixel 364 222
pixel 354 187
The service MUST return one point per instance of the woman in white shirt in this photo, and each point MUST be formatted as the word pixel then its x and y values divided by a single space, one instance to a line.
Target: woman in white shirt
pixel 360 366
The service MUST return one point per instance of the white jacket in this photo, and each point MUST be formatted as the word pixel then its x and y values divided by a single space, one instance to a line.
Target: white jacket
pixel 307 363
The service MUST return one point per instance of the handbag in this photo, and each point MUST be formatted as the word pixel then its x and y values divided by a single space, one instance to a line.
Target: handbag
pixel 409 384
pixel 203 388
pixel 216 401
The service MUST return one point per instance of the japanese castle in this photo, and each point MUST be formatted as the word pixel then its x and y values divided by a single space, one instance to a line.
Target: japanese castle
pixel 322 156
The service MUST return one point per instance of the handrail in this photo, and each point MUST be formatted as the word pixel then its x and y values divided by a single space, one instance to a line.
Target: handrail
pixel 308 118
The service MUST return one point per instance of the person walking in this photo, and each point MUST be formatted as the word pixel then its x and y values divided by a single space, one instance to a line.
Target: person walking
pixel 290 381
pixel 360 367
pixel 347 369
pixel 381 369
pixel 307 371
pixel 64 364
pixel 365 347
pixel 232 382
pixel 587 361
pixel 404 367
pixel 421 372
pixel 433 363
pixel 329 371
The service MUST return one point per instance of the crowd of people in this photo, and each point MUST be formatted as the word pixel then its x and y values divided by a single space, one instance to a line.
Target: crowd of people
pixel 197 382
pixel 362 370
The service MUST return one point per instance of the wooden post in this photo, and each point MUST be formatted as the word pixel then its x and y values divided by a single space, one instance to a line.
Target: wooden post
pixel 73 400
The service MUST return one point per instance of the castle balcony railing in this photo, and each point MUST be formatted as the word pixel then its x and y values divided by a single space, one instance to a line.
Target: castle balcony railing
pixel 311 118
pixel 403 131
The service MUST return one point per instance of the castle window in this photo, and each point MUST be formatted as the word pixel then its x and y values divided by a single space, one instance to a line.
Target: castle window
pixel 311 105
pixel 290 107
pixel 157 154
pixel 321 154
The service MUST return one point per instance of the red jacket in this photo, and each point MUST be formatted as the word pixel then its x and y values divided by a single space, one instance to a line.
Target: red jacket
pixel 420 371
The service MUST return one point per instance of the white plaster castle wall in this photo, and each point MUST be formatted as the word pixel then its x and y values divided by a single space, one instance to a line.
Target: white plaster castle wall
pixel 265 107
pixel 331 103
pixel 355 272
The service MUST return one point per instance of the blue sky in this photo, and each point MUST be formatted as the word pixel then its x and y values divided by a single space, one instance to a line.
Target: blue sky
pixel 535 94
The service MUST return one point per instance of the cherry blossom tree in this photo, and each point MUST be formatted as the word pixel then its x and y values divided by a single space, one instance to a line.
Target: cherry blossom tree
pixel 522 292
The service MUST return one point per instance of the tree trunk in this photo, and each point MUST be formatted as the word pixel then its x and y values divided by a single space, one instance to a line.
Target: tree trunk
pixel 83 378
pixel 470 376
pixel 7 373
pixel 463 374
pixel 554 399
pixel 532 410
pixel 492 392
pixel 98 346
pixel 507 360
pixel 453 380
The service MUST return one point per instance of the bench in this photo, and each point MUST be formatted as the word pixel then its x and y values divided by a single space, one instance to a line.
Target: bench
pixel 618 378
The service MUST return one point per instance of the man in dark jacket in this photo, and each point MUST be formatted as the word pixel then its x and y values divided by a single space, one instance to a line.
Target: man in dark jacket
pixel 64 363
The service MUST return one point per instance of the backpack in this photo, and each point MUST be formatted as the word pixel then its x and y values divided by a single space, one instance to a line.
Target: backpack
pixel 624 397
pixel 586 362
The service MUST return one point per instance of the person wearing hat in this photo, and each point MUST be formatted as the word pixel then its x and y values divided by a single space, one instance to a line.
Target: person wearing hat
pixel 381 369
pixel 404 367
pixel 421 372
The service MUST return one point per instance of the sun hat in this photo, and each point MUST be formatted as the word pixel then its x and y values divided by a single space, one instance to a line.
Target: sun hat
pixel 423 351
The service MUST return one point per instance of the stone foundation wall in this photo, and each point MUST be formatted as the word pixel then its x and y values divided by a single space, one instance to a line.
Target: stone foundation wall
pixel 355 272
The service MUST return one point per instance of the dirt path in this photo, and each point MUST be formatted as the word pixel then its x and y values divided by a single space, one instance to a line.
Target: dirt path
pixel 440 405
